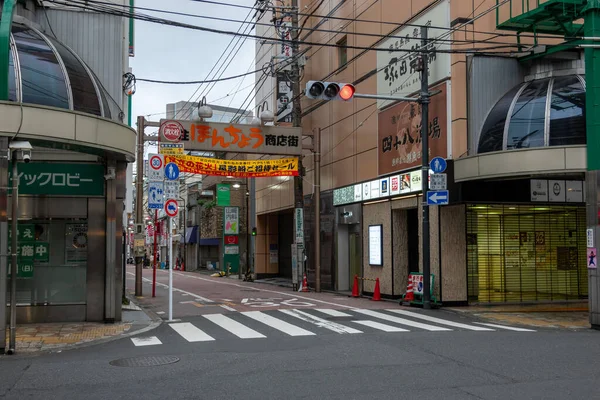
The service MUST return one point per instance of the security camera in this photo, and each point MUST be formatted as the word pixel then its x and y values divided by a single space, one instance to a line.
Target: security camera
pixel 111 174
pixel 26 156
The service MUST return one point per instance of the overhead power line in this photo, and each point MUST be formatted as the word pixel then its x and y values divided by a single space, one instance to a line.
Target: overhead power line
pixel 163 21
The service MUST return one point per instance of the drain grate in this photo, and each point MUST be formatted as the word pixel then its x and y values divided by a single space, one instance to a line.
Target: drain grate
pixel 249 290
pixel 340 319
pixel 149 361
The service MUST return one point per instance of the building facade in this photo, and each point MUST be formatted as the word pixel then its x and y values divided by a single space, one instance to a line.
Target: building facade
pixel 66 99
pixel 511 128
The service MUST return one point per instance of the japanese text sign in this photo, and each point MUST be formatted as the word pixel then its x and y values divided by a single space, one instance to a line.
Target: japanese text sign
pixel 213 136
pixel 231 221
pixel 397 69
pixel 236 168
pixel 61 179
pixel 399 136
pixel 170 148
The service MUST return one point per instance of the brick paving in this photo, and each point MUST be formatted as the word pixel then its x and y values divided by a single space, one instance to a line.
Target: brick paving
pixel 40 337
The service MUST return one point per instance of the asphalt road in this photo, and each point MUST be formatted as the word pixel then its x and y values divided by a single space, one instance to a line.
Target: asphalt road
pixel 330 350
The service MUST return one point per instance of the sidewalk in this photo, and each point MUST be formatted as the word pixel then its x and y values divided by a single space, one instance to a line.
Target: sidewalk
pixel 57 337
pixel 565 316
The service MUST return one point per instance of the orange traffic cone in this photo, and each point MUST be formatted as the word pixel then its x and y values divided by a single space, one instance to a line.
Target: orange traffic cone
pixel 355 287
pixel 376 293
pixel 305 284
pixel 409 296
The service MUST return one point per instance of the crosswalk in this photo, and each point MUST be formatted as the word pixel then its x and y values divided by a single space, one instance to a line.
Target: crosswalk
pixel 311 322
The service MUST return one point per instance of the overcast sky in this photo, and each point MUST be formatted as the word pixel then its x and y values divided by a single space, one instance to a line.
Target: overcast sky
pixel 178 54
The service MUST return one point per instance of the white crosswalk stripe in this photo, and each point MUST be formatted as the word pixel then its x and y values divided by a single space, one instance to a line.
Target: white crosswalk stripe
pixel 332 312
pixel 440 321
pixel 510 328
pixel 238 329
pixel 320 322
pixel 380 326
pixel 294 322
pixel 190 333
pixel 401 321
pixel 278 324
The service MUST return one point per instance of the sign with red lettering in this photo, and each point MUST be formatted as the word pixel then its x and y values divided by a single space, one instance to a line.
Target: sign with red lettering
pixel 231 239
pixel 238 138
pixel 171 131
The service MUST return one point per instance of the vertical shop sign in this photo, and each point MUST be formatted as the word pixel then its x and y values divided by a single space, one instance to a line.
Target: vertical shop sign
pixel 399 133
pixel 223 195
pixel 231 229
pixel 397 68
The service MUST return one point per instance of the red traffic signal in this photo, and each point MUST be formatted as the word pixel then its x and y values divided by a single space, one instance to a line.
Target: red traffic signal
pixel 347 92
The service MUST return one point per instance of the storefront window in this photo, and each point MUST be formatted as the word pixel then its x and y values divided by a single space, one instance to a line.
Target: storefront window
pixel 524 253
pixel 57 274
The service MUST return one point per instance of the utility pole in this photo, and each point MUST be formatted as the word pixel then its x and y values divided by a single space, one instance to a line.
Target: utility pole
pixel 297 122
pixel 317 240
pixel 424 100
pixel 139 198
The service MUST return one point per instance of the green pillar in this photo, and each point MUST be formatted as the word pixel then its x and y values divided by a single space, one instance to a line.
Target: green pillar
pixel 8 10
pixel 592 78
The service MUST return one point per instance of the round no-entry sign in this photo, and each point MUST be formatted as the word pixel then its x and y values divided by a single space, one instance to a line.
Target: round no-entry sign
pixel 172 131
pixel 171 208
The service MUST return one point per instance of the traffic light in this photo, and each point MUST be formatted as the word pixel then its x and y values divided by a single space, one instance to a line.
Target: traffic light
pixel 329 90
pixel 253 231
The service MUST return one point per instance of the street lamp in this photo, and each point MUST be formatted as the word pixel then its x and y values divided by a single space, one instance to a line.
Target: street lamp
pixel 204 110
pixel 263 115
pixel 15 147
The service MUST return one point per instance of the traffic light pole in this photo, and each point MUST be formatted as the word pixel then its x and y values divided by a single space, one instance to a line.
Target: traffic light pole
pixel 424 100
pixel 139 198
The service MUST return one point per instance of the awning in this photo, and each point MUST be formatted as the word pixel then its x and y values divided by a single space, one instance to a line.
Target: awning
pixel 191 235
pixel 210 242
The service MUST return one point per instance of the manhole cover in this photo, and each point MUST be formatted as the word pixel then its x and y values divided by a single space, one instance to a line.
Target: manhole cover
pixel 150 361
pixel 341 318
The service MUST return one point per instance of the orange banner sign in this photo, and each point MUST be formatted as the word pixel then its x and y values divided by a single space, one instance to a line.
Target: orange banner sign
pixel 236 168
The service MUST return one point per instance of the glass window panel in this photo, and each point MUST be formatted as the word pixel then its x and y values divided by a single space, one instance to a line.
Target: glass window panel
pixel 42 77
pixel 567 112
pixel 85 98
pixel 104 97
pixel 492 133
pixel 526 126
pixel 12 80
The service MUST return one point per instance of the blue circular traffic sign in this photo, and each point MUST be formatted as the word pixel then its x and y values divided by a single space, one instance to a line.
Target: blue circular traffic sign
pixel 171 171
pixel 437 165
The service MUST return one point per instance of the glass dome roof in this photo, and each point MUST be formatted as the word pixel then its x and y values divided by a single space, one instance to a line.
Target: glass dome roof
pixel 543 112
pixel 46 72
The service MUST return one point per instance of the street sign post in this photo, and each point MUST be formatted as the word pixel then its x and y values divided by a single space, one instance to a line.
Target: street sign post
pixel 172 171
pixel 156 165
pixel 171 189
pixel 438 165
pixel 170 148
pixel 438 181
pixel 437 197
pixel 156 197
pixel 171 208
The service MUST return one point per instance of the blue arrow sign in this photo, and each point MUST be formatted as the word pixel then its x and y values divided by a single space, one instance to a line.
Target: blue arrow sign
pixel 171 171
pixel 437 197
pixel 438 165
pixel 156 196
